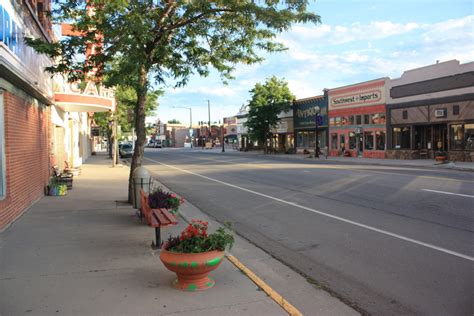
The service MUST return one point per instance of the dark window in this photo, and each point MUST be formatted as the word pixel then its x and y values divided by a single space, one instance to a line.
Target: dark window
pixel 405 115
pixel 342 141
pixel 380 140
pixel 455 109
pixel 358 120
pixel 352 140
pixel 366 119
pixel 351 120
pixel 401 138
pixel 369 140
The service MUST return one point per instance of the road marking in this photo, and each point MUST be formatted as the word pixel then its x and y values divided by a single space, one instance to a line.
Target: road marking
pixel 290 309
pixel 450 193
pixel 368 227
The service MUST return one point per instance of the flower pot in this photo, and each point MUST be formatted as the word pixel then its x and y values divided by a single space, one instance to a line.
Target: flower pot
pixel 440 158
pixel 192 269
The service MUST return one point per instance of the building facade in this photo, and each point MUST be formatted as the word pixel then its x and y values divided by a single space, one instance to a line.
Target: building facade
pixel 357 120
pixel 282 135
pixel 431 111
pixel 305 114
pixel 25 94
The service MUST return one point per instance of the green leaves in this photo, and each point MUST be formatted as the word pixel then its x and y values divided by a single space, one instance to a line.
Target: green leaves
pixel 268 101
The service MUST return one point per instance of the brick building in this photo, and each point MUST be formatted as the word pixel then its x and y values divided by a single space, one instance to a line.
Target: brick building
pixel 25 93
pixel 357 119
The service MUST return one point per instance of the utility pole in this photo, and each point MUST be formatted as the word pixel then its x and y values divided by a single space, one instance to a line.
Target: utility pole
pixel 209 117
pixel 222 132
pixel 316 151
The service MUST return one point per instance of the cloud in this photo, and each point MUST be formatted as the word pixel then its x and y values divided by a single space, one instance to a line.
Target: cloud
pixel 214 91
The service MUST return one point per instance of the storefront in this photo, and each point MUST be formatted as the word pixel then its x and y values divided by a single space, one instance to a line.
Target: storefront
pixel 357 120
pixel 433 116
pixel 282 139
pixel 305 113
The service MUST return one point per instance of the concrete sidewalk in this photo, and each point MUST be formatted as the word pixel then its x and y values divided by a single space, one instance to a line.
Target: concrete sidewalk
pixel 87 253
pixel 419 163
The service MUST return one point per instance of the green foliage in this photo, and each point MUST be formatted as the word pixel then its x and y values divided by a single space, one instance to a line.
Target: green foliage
pixel 195 239
pixel 174 121
pixel 268 101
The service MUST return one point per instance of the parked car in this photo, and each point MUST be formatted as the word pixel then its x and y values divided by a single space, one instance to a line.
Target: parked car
pixel 125 150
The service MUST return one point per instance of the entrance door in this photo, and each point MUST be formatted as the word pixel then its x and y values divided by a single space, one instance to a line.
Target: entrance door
pixel 360 144
pixel 440 137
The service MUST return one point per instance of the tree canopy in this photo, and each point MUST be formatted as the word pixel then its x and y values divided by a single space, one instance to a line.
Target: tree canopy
pixel 167 41
pixel 174 121
pixel 267 102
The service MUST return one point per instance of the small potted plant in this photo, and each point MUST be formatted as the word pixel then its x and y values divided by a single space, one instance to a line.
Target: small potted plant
pixel 195 253
pixel 441 156
pixel 159 198
pixel 56 188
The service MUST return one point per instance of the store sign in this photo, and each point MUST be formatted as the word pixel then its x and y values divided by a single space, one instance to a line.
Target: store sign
pixel 304 114
pixel 9 31
pixel 374 96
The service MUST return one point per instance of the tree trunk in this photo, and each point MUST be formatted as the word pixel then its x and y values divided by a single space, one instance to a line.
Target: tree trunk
pixel 139 128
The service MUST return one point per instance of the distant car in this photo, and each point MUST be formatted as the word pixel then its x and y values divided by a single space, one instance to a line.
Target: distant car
pixel 158 143
pixel 125 150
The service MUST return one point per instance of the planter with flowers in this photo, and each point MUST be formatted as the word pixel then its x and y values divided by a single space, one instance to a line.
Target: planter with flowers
pixel 194 254
pixel 159 198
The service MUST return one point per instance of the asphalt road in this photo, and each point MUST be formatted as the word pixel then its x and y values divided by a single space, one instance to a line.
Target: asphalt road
pixel 390 240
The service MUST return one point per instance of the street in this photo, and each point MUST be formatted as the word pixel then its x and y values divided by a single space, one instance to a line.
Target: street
pixel 388 240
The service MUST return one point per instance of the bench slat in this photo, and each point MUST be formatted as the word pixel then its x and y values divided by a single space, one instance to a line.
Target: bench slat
pixel 160 217
pixel 171 218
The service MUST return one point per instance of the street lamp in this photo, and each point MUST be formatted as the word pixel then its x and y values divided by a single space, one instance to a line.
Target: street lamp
pixel 209 118
pixel 316 151
pixel 190 121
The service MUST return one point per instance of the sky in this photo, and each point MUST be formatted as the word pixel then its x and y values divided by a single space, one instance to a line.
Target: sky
pixel 357 40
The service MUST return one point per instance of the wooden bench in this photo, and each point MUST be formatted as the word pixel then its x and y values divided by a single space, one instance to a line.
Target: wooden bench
pixel 156 218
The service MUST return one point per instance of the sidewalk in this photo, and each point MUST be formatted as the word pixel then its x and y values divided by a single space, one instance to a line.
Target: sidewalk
pixel 86 253
pixel 420 163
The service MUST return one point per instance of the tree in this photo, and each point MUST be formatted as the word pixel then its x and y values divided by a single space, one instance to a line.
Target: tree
pixel 168 41
pixel 268 101
pixel 174 121
pixel 126 99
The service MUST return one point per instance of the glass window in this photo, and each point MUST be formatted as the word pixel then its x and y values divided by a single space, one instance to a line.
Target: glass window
pixel 358 119
pixel 344 121
pixel 338 121
pixel 401 138
pixel 342 141
pixel 332 121
pixel 311 140
pixel 3 178
pixel 380 140
pixel 351 120
pixel 369 140
pixel 457 137
pixel 469 136
pixel 352 140
pixel 405 115
pixel 456 109
pixel 333 140
pixel 382 118
pixel 367 119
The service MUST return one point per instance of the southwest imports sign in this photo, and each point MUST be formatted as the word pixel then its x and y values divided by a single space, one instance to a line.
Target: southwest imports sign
pixel 368 93
pixel 370 97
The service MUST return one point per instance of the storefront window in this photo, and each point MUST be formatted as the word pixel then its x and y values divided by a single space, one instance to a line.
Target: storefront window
pixel 311 139
pixel 338 121
pixel 332 121
pixel 369 140
pixel 380 140
pixel 342 141
pixel 352 140
pixel 367 119
pixel 358 119
pixel 333 140
pixel 469 136
pixel 457 137
pixel 401 138
pixel 382 119
pixel 344 121
pixel 351 120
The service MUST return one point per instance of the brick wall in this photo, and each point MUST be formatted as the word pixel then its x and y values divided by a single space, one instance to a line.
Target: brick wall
pixel 27 155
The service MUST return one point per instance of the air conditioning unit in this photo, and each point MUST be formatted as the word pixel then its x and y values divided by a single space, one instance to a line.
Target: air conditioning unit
pixel 440 113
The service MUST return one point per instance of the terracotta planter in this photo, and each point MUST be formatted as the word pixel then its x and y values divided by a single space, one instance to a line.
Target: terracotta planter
pixel 192 269
pixel 440 158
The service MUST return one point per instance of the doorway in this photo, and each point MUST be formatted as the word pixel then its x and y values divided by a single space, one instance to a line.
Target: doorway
pixel 360 145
